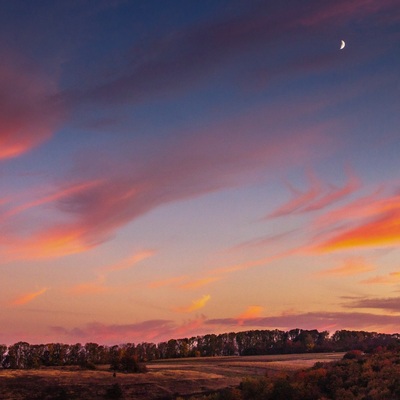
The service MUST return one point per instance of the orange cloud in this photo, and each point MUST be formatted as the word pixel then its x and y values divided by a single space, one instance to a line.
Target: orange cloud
pixel 362 207
pixel 379 226
pixel 351 266
pixel 196 305
pixel 390 279
pixel 28 297
pixel 131 261
pixel 251 312
pixel 199 283
pixel 94 287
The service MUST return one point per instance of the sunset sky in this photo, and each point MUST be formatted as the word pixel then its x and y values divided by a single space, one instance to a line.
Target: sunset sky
pixel 175 168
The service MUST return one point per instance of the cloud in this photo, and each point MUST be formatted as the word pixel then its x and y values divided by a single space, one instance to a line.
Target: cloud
pixel 351 266
pixel 98 285
pixel 196 305
pixel 390 279
pixel 378 226
pixel 315 198
pixel 131 261
pixel 361 207
pixel 391 304
pixel 199 283
pixel 264 241
pixel 27 117
pixel 335 194
pixel 251 312
pixel 89 288
pixel 151 330
pixel 343 10
pixel 28 297
pixel 299 200
pixel 182 58
pixel 314 320
pixel 102 194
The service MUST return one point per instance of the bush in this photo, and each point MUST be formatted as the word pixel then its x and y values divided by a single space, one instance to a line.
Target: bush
pixel 353 354
pixel 114 392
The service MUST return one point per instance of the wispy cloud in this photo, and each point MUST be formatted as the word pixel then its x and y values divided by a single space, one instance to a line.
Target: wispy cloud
pixel 89 288
pixel 265 241
pixel 97 199
pixel 27 117
pixel 379 228
pixel 152 330
pixel 131 261
pixel 195 305
pixel 314 320
pixel 351 266
pixel 390 279
pixel 299 200
pixel 28 297
pixel 199 282
pixel 316 197
pixel 391 304
pixel 99 284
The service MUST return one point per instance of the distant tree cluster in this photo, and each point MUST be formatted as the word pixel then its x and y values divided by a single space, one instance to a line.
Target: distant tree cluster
pixel 128 357
pixel 23 355
pixel 358 376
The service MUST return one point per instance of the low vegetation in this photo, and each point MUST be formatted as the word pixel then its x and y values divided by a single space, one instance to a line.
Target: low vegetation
pixel 358 376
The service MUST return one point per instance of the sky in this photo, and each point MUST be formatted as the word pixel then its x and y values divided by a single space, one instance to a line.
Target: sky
pixel 177 168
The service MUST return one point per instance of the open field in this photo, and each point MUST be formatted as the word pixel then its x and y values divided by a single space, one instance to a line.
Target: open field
pixel 165 379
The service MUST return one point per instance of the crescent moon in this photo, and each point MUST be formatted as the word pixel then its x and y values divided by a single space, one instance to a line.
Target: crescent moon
pixel 342 45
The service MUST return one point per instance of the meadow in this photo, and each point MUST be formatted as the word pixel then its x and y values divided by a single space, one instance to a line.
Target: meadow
pixel 165 379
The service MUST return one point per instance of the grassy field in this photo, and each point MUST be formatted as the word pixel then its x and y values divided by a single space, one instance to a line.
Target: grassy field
pixel 165 380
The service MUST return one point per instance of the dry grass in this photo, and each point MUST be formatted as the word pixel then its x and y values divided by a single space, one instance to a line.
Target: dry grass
pixel 165 379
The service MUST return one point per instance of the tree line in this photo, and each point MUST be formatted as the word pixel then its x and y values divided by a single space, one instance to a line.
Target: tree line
pixel 23 355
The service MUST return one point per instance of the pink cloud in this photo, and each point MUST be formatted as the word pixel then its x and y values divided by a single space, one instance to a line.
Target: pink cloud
pixel 316 197
pixel 313 320
pixel 391 304
pixel 342 10
pixel 266 241
pixel 299 200
pixel 102 196
pixel 27 115
pixel 151 330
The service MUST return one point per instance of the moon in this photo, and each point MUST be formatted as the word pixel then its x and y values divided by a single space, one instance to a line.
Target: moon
pixel 342 45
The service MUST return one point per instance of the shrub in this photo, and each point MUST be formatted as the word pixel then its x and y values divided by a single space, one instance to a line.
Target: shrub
pixel 114 392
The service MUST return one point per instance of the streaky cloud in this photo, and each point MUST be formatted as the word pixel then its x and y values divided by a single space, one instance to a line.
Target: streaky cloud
pixel 28 297
pixel 391 304
pixel 351 266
